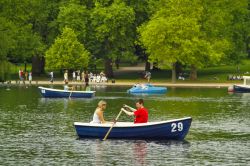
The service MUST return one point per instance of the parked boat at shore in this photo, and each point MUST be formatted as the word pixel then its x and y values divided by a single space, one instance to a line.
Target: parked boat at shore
pixel 147 89
pixel 175 129
pixel 59 93
pixel 245 88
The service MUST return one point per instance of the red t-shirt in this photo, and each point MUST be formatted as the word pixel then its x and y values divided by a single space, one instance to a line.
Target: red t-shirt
pixel 141 115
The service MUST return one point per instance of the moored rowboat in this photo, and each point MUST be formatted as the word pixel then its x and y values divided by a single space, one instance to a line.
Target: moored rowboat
pixel 245 88
pixel 175 129
pixel 58 93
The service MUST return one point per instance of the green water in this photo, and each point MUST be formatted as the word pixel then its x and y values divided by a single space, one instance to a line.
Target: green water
pixel 38 131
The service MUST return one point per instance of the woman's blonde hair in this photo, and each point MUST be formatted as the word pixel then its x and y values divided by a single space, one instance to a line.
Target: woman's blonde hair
pixel 101 103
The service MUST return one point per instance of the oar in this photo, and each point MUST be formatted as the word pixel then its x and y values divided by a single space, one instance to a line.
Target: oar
pixel 107 134
pixel 70 94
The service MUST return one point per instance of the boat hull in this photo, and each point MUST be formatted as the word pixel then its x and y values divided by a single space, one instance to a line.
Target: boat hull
pixel 165 130
pixel 56 93
pixel 241 88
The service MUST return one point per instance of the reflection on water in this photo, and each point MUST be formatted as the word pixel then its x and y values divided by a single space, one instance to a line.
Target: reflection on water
pixel 140 151
pixel 39 131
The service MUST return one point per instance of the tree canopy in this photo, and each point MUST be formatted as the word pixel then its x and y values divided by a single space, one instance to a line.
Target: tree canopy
pixel 67 52
pixel 196 33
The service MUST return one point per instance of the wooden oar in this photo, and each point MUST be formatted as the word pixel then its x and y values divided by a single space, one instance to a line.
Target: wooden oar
pixel 70 94
pixel 107 134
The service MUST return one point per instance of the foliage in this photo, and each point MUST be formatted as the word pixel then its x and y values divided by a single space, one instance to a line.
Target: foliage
pixel 67 52
pixel 173 34
pixel 112 26
pixel 7 42
pixel 74 16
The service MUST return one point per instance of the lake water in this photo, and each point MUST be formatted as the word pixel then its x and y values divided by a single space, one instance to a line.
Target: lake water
pixel 38 131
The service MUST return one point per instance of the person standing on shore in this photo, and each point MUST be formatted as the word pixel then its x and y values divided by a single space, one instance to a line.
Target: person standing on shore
pixel 86 78
pixel 26 76
pixel 78 78
pixel 83 76
pixel 51 76
pixel 30 77
pixel 20 73
pixel 74 76
pixel 148 76
pixel 66 76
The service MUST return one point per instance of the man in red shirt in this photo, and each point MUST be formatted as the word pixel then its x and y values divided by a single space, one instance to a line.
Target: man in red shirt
pixel 141 113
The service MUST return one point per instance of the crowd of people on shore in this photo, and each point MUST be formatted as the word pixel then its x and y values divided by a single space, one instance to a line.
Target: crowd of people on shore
pixel 77 76
pixel 25 75
pixel 86 77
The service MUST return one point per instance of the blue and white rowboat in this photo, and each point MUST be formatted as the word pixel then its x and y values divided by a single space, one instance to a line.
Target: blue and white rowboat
pixel 147 89
pixel 175 129
pixel 58 93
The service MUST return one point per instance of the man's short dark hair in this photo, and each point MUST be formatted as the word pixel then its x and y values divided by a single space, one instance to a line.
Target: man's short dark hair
pixel 140 101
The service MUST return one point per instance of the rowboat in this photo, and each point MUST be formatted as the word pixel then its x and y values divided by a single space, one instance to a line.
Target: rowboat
pixel 245 88
pixel 175 129
pixel 59 93
pixel 147 89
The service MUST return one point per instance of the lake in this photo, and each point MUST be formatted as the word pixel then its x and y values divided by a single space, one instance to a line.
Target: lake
pixel 39 131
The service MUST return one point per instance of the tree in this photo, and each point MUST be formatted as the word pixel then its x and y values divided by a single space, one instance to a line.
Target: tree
pixel 76 17
pixel 174 34
pixel 66 53
pixel 7 42
pixel 113 33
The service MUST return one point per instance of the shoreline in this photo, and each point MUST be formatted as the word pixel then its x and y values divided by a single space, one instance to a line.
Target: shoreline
pixel 121 83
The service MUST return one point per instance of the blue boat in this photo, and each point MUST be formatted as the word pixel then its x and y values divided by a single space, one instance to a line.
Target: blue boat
pixel 58 93
pixel 245 88
pixel 147 89
pixel 175 129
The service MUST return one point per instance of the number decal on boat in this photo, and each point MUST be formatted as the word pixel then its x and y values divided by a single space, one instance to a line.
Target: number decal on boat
pixel 176 127
pixel 43 91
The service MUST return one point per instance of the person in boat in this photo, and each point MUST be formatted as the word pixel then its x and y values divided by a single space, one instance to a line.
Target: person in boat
pixel 67 88
pixel 98 115
pixel 141 113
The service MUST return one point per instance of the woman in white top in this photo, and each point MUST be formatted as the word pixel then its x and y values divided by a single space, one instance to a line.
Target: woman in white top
pixel 98 115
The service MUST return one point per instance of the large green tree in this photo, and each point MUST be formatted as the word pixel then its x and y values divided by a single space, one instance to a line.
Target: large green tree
pixel 113 32
pixel 67 52
pixel 174 34
pixel 76 17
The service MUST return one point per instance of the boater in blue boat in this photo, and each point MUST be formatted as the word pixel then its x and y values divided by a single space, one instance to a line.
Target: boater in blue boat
pixel 141 113
pixel 98 115
pixel 66 87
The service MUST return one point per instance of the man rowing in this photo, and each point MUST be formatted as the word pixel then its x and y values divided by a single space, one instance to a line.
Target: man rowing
pixel 141 113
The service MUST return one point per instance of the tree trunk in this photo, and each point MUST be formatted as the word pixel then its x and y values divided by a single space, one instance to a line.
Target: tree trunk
pixel 147 66
pixel 193 73
pixel 25 66
pixel 108 68
pixel 117 63
pixel 38 64
pixel 248 46
pixel 155 66
pixel 174 73
pixel 178 68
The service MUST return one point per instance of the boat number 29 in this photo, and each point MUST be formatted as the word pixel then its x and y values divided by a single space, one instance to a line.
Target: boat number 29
pixel 176 127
